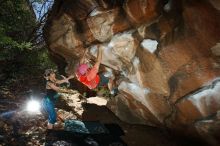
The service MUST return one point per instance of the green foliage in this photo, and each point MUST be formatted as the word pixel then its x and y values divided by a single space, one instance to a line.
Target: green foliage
pixel 17 21
pixel 103 91
pixel 17 25
pixel 32 65
pixel 38 60
pixel 11 48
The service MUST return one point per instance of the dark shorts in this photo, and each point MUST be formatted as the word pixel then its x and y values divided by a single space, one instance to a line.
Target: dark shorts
pixel 103 81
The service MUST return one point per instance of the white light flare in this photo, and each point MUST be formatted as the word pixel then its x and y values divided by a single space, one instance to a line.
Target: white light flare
pixel 33 106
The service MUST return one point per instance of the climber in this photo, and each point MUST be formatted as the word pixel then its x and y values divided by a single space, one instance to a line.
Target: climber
pixel 90 77
pixel 52 90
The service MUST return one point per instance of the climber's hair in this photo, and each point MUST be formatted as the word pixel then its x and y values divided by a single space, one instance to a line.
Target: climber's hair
pixel 48 72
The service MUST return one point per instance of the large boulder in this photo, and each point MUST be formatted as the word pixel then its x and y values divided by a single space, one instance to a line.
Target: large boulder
pixel 165 55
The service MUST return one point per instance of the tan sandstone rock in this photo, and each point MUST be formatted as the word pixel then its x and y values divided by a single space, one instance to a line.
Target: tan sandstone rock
pixel 165 56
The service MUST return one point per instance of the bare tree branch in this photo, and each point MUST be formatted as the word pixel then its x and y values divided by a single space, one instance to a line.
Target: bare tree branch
pixel 36 36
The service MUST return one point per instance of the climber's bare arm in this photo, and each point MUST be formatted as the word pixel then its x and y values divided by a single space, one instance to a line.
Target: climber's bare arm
pixel 64 80
pixel 99 58
pixel 58 89
pixel 61 81
pixel 83 59
pixel 95 69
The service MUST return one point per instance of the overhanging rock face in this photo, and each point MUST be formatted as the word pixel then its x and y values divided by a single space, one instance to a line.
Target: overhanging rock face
pixel 166 53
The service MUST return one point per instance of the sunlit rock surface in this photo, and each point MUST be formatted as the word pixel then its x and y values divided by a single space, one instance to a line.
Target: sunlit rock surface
pixel 165 55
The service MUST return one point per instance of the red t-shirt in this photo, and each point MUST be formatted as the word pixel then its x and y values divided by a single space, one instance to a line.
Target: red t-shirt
pixel 90 79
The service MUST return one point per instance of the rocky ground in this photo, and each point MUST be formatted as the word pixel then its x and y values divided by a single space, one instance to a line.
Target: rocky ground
pixel 20 128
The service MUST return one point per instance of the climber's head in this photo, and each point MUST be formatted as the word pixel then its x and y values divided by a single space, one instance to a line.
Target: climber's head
pixel 49 74
pixel 82 69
